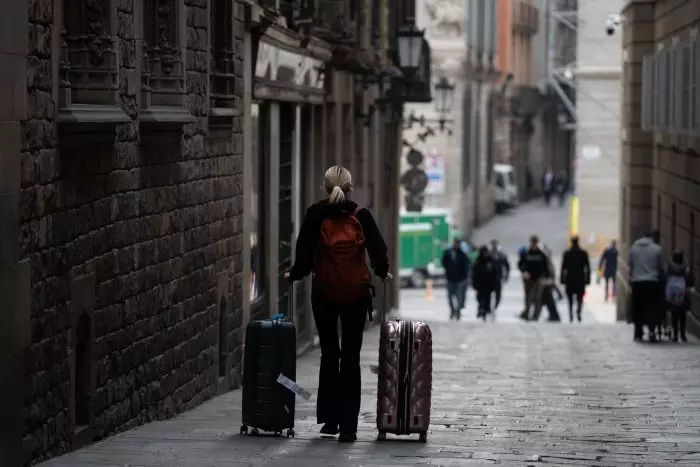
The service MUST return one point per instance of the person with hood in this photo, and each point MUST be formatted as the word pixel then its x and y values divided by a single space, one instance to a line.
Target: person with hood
pixel 484 279
pixel 456 264
pixel 502 270
pixel 533 266
pixel 608 265
pixel 646 271
pixel 575 276
pixel 333 239
pixel 679 279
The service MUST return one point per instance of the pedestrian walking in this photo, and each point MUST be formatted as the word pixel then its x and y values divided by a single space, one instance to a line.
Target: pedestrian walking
pixel 484 279
pixel 679 280
pixel 500 259
pixel 332 241
pixel 550 288
pixel 659 315
pixel 456 265
pixel 646 273
pixel 608 266
pixel 575 276
pixel 533 266
pixel 561 187
pixel 548 180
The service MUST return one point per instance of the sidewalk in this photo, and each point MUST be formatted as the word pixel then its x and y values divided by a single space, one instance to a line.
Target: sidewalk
pixel 508 394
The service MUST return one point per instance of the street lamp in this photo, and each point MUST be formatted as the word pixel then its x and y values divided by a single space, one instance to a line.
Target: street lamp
pixel 444 99
pixel 410 42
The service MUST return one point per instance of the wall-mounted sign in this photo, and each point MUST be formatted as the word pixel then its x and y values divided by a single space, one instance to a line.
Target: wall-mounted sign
pixel 280 65
pixel 435 170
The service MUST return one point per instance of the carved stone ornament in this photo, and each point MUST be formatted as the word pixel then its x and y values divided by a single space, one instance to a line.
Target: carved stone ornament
pixel 444 18
pixel 97 42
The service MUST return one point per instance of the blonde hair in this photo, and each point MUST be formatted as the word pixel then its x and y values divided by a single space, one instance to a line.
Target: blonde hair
pixel 338 183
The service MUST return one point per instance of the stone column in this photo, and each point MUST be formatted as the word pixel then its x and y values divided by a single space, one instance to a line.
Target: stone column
pixel 636 171
pixel 14 275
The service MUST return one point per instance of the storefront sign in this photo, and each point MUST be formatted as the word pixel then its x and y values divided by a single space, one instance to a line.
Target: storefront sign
pixel 282 66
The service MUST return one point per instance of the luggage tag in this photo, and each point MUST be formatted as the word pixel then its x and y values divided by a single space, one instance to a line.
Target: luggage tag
pixel 294 387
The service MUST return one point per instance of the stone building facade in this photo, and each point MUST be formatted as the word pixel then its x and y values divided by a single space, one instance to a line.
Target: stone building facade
pixel 660 170
pixel 598 91
pixel 152 153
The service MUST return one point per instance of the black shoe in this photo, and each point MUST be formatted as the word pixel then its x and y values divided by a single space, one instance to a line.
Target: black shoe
pixel 329 429
pixel 674 339
pixel 524 316
pixel 684 339
pixel 347 438
pixel 652 339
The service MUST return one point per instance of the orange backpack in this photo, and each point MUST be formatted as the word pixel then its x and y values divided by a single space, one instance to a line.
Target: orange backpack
pixel 341 267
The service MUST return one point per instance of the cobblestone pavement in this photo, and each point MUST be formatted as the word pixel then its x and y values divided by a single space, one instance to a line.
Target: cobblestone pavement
pixel 505 393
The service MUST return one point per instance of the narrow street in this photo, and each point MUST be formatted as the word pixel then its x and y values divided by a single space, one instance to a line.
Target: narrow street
pixel 505 393
pixel 513 230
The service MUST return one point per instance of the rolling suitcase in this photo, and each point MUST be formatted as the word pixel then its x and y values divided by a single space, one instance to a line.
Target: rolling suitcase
pixel 270 351
pixel 405 378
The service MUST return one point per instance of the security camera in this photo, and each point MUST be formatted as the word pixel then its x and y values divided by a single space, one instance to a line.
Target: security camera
pixel 612 23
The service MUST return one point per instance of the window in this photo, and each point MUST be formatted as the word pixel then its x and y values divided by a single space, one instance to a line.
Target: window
pixel 667 91
pixel 648 93
pixel 658 84
pixel 675 90
pixel 685 82
pixel 257 207
pixel 500 182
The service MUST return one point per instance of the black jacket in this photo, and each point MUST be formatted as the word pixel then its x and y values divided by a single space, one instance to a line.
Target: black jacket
pixel 308 240
pixel 485 275
pixel 458 269
pixel 535 263
pixel 502 264
pixel 575 268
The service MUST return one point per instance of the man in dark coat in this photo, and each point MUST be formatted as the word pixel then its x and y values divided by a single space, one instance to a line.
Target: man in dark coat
pixel 456 264
pixel 502 270
pixel 608 263
pixel 484 279
pixel 533 265
pixel 575 276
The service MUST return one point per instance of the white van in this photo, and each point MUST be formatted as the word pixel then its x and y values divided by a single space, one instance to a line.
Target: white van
pixel 505 189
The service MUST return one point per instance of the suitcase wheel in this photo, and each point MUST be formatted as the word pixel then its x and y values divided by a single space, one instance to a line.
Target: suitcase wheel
pixel 290 433
pixel 255 432
pixel 244 429
pixel 423 437
pixel 381 436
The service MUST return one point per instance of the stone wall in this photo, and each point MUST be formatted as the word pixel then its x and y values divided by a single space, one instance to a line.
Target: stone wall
pixel 139 234
pixel 660 176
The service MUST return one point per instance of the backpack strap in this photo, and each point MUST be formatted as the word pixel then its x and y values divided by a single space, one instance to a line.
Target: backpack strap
pixel 356 211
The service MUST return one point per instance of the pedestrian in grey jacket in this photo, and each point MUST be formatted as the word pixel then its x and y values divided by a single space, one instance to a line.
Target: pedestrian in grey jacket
pixel 646 275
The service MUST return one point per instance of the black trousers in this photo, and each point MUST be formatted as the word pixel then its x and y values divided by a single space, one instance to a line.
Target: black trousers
pixel 340 383
pixel 483 298
pixel 577 297
pixel 678 316
pixel 497 295
pixel 645 303
pixel 551 305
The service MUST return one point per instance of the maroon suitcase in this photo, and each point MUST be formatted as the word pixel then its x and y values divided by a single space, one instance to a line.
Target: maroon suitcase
pixel 405 378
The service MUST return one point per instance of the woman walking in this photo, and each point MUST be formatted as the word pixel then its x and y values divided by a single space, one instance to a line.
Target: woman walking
pixel 332 242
